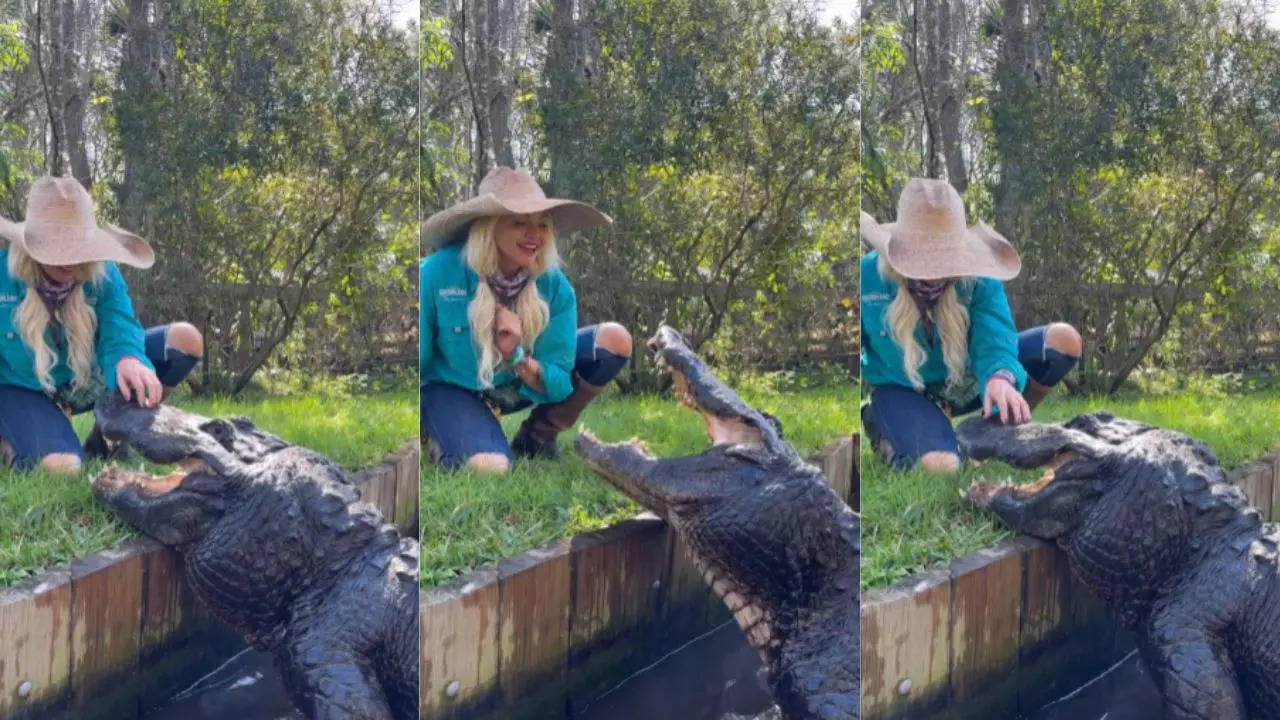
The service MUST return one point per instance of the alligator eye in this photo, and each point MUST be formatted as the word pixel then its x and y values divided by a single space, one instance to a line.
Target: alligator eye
pixel 221 430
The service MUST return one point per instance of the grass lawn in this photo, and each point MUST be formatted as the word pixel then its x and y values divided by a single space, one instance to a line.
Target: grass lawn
pixel 912 520
pixel 46 520
pixel 468 520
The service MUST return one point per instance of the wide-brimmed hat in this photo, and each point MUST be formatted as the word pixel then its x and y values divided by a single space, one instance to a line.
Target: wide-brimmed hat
pixel 509 192
pixel 60 229
pixel 929 240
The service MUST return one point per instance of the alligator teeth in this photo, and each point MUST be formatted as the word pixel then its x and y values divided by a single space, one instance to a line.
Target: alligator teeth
pixel 759 635
pixel 722 587
pixel 748 616
pixel 734 601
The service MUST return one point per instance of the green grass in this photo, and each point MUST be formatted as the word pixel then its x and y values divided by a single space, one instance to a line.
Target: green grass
pixel 913 520
pixel 46 520
pixel 469 520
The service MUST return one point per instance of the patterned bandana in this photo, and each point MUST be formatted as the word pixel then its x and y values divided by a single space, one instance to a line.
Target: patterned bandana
pixel 926 293
pixel 54 294
pixel 505 289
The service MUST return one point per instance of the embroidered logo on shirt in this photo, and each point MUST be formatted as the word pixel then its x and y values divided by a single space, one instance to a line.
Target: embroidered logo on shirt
pixel 8 298
pixel 453 293
pixel 876 297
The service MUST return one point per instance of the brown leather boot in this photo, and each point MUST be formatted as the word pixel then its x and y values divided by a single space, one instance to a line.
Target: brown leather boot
pixel 537 435
pixel 1035 392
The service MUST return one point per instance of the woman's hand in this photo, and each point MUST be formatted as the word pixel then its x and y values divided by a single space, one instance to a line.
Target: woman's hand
pixel 1001 392
pixel 138 382
pixel 530 372
pixel 507 331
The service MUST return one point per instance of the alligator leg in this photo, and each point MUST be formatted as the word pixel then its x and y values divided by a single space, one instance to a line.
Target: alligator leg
pixel 1192 670
pixel 329 681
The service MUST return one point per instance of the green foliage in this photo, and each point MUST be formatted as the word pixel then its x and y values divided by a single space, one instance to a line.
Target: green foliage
pixel 13 58
pixel 1126 147
pixel 721 138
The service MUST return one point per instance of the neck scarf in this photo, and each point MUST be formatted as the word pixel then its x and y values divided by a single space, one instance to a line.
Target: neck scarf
pixel 505 289
pixel 54 294
pixel 926 294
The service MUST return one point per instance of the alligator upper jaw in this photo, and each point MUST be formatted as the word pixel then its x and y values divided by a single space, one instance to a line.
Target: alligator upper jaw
pixel 162 434
pixel 728 419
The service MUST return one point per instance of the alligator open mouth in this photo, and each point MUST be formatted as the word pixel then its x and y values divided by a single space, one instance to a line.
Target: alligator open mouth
pixel 116 478
pixel 982 492
pixel 668 487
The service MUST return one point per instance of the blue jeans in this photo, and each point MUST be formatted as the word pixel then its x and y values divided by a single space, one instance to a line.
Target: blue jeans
pixel 34 426
pixel 912 425
pixel 462 424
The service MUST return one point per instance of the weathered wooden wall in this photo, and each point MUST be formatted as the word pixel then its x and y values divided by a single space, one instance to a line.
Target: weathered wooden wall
pixel 119 631
pixel 547 631
pixel 1001 632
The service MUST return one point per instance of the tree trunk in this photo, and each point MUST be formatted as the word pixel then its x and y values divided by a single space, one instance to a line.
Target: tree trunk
pixel 950 86
pixel 75 54
pixel 476 70
pixel 500 77
pixel 1013 73
pixel 136 79
pixel 563 72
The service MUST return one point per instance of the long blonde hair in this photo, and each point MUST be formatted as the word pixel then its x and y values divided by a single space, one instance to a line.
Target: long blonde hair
pixel 32 320
pixel 950 316
pixel 481 255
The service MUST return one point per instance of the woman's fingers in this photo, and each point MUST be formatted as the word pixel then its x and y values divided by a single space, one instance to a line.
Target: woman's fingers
pixel 154 389
pixel 122 383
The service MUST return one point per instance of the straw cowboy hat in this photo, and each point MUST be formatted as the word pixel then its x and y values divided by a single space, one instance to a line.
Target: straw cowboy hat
pixel 60 229
pixel 929 241
pixel 509 192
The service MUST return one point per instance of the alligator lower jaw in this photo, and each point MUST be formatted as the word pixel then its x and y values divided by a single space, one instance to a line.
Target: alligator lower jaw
pixel 115 478
pixel 982 493
pixel 754 621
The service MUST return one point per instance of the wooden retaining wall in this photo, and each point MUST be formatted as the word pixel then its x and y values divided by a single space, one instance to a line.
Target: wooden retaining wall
pixel 546 631
pixel 118 631
pixel 1000 632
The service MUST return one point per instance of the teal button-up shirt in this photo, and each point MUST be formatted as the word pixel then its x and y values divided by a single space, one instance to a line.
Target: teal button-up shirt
pixel 118 333
pixel 993 341
pixel 446 352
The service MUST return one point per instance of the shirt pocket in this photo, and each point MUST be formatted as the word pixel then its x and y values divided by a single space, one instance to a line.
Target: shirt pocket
pixel 452 323
pixel 874 312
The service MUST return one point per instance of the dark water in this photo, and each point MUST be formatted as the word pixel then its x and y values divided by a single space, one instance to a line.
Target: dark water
pixel 1125 692
pixel 707 678
pixel 246 687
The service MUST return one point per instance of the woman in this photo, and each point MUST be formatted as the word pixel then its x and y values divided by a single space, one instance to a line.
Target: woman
pixel 67 329
pixel 938 337
pixel 499 326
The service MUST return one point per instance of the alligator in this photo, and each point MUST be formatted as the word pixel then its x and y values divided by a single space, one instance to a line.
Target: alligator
pixel 1149 522
pixel 276 545
pixel 770 537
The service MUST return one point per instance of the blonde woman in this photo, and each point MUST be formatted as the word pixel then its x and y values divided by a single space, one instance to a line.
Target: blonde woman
pixel 67 329
pixel 499 326
pixel 937 335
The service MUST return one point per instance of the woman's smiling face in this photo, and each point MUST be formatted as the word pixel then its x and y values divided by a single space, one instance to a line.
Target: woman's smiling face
pixel 59 273
pixel 520 239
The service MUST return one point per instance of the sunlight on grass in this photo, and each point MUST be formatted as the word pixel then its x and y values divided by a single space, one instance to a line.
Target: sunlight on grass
pixel 46 520
pixel 913 520
pixel 469 520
